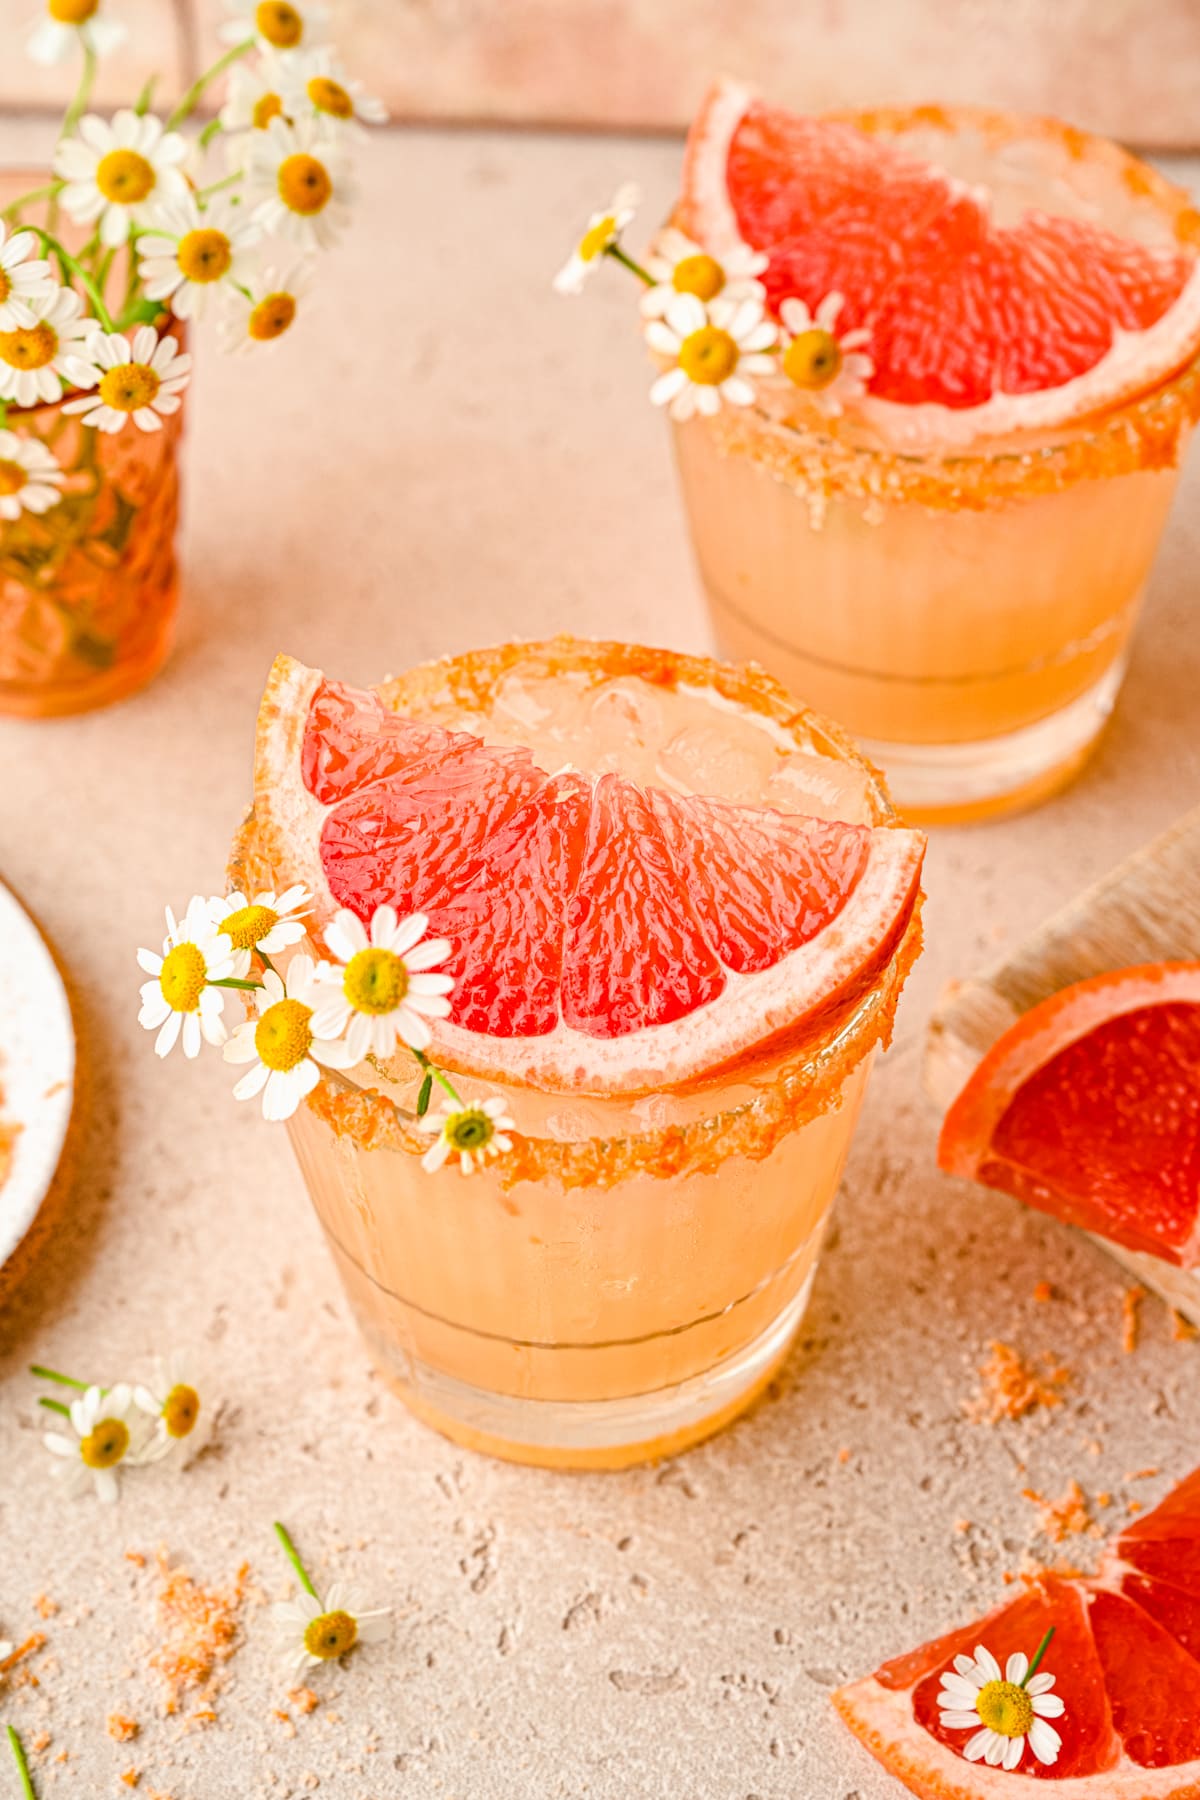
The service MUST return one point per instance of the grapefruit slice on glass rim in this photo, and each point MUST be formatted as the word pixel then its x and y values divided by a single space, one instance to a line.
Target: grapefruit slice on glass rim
pixel 1125 1657
pixel 608 934
pixel 1089 1108
pixel 1013 273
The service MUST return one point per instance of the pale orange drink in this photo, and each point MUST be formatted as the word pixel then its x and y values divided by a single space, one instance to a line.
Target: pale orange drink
pixel 681 911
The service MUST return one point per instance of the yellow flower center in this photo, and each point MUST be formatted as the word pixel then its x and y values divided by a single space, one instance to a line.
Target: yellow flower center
pixel 597 238
pixel 375 981
pixel 71 12
pixel 1005 1708
pixel 129 386
pixel 700 275
pixel 12 477
pixel 282 1036
pixel 305 185
pixel 30 348
pixel 708 356
pixel 105 1444
pixel 330 97
pixel 205 255
pixel 329 1635
pixel 181 1409
pixel 125 177
pixel 268 107
pixel 271 317
pixel 183 977
pixel 279 23
pixel 249 925
pixel 470 1129
pixel 812 359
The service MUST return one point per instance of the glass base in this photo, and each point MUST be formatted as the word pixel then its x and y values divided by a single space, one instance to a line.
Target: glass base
pixel 592 1434
pixel 947 784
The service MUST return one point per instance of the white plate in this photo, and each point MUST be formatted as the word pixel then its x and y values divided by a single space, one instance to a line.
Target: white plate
pixel 37 1067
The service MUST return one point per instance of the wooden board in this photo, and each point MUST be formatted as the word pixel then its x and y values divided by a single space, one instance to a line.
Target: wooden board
pixel 1146 910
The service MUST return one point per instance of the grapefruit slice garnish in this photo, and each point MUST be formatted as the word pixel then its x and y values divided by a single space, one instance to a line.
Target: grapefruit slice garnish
pixel 1013 322
pixel 1089 1108
pixel 606 935
pixel 1126 1662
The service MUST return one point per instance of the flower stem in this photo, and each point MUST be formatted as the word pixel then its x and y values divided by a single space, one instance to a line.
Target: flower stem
pixel 443 1081
pixel 23 200
pixel 54 1406
pixel 192 98
pixel 70 265
pixel 293 1556
pixel 23 1775
pixel 54 1375
pixel 233 982
pixel 615 251
pixel 1038 1655
pixel 215 187
pixel 83 92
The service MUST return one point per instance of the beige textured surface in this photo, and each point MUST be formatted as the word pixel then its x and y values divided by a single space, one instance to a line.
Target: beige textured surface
pixel 460 455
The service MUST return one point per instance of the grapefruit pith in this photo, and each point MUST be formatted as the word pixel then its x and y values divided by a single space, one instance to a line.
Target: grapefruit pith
pixel 1126 1662
pixel 1089 1108
pixel 605 932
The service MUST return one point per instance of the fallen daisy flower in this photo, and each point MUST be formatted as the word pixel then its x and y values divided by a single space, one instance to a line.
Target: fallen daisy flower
pixel 183 1422
pixel 311 1631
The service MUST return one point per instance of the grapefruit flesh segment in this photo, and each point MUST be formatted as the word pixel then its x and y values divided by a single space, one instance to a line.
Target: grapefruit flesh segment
pixel 1153 1684
pixel 1095 1119
pixel 1174 1608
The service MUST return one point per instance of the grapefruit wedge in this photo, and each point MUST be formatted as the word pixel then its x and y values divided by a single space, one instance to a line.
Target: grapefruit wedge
pixel 607 934
pixel 1011 270
pixel 1089 1108
pixel 1125 1657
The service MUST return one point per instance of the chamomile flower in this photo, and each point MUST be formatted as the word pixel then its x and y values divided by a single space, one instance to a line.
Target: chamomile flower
pixel 38 360
pixel 267 311
pixel 68 25
pixel 603 231
pixel 183 1422
pixel 117 172
pixel 310 1631
pixel 298 183
pixel 275 24
pixel 21 281
pixel 713 350
pixel 1005 1711
pixel 254 97
pixel 385 988
pixel 107 1433
pixel 178 1001
pixel 681 267
pixel 30 479
pixel 141 381
pixel 474 1133
pixel 286 1043
pixel 315 86
pixel 831 370
pixel 269 923
pixel 188 256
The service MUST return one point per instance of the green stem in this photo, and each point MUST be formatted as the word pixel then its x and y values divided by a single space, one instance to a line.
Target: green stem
pixel 443 1081
pixel 266 962
pixel 293 1556
pixel 1038 1655
pixel 615 251
pixel 23 1775
pixel 83 92
pixel 23 200
pixel 216 186
pixel 233 982
pixel 54 1406
pixel 71 266
pixel 191 99
pixel 53 1375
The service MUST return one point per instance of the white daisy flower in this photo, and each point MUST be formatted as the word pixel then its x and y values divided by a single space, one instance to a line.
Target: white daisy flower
pixel 298 183
pixel 713 350
pixel 316 86
pixel 253 98
pixel 276 24
pixel 183 1422
pixel 831 370
pixel 269 923
pixel 139 380
pixel 68 25
pixel 285 1043
pixel 267 311
pixel 310 1631
pixel 178 1001
pixel 603 230
pixel 1004 1711
pixel 385 988
pixel 38 361
pixel 681 267
pixel 21 281
pixel 30 478
pixel 187 255
pixel 107 1432
pixel 117 173
pixel 473 1133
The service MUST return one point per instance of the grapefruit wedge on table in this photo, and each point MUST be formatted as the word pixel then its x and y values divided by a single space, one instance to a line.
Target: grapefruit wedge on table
pixel 604 933
pixel 1125 1657
pixel 1089 1108
pixel 977 299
